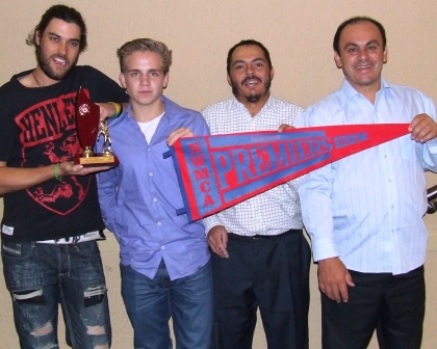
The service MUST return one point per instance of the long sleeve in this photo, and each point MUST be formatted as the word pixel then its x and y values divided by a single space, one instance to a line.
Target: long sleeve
pixel 107 189
pixel 368 208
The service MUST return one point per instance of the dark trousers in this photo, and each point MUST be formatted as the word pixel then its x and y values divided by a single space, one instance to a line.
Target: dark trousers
pixel 270 274
pixel 395 304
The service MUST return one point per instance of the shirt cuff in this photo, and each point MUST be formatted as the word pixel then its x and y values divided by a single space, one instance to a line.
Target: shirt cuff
pixel 323 249
pixel 432 146
pixel 210 222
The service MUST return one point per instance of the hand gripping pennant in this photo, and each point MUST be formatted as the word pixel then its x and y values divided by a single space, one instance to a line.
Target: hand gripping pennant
pixel 216 172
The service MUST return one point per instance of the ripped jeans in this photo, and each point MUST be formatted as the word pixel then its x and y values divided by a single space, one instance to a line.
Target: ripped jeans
pixel 42 276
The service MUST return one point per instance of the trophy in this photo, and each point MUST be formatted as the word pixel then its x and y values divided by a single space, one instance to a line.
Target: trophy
pixel 89 130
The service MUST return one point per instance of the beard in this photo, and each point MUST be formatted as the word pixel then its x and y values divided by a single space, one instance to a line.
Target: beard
pixel 252 97
pixel 44 63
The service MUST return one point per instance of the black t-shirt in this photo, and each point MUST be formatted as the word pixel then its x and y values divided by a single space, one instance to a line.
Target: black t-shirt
pixel 37 128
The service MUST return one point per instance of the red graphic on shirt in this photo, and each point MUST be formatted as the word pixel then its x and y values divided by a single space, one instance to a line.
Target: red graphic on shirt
pixel 61 190
pixel 48 136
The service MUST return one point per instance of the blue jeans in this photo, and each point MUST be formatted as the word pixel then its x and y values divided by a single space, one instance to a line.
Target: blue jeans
pixel 150 303
pixel 41 276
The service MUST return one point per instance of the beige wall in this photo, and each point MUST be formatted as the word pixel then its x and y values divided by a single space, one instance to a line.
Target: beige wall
pixel 298 34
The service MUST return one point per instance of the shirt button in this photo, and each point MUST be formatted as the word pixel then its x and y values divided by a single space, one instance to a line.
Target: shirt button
pixel 151 174
pixel 162 247
pixel 155 199
pixel 159 224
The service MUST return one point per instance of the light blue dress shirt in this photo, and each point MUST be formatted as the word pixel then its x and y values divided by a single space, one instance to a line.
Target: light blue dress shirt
pixel 139 198
pixel 367 208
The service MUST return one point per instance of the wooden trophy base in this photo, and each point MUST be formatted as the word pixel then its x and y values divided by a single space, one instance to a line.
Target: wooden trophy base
pixel 98 160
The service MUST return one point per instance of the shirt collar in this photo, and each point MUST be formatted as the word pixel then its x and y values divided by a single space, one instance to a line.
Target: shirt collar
pixel 349 92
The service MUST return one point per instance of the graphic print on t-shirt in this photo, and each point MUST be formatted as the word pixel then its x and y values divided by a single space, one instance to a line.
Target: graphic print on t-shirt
pixel 48 136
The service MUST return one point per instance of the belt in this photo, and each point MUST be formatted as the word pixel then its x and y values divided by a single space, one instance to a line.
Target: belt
pixel 91 236
pixel 233 236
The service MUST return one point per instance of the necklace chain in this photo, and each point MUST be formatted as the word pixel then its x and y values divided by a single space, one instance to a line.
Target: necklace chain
pixel 36 80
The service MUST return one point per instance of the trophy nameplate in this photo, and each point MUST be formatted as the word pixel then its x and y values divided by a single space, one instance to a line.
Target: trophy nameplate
pixel 89 129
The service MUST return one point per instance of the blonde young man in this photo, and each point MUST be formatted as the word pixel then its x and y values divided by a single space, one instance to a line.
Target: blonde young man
pixel 165 266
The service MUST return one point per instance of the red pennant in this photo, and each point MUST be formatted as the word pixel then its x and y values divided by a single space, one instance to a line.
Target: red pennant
pixel 219 171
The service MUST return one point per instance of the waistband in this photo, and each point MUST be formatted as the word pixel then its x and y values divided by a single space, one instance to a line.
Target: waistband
pixel 233 236
pixel 90 236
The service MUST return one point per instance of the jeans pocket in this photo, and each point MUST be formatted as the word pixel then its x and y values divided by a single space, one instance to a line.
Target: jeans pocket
pixel 12 249
pixel 18 266
pixel 22 251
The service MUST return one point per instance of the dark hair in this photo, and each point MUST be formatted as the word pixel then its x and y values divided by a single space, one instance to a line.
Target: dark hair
pixel 249 42
pixel 355 20
pixel 65 13
pixel 142 45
